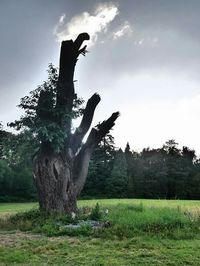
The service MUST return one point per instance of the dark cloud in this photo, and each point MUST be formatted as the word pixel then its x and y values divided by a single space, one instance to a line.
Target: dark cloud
pixel 162 37
pixel 165 35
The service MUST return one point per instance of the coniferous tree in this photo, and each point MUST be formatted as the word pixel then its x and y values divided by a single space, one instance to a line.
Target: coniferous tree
pixel 100 168
pixel 118 181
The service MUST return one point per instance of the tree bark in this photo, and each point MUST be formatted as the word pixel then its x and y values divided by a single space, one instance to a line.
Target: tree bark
pixel 53 179
pixel 60 177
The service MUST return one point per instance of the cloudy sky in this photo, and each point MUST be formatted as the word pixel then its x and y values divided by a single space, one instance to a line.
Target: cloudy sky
pixel 144 61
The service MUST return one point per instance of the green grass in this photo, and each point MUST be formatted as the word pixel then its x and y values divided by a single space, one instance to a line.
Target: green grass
pixel 95 251
pixel 184 204
pixel 8 208
pixel 145 202
pixel 141 232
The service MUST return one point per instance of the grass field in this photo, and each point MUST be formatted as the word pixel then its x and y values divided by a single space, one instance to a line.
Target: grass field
pixel 192 205
pixel 142 232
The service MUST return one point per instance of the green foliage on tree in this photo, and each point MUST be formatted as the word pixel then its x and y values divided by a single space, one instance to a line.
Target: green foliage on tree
pixel 100 168
pixel 42 119
pixel 117 183
pixel 166 172
pixel 16 181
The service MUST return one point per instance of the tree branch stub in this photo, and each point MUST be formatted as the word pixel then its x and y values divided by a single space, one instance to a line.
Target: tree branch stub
pixel 85 124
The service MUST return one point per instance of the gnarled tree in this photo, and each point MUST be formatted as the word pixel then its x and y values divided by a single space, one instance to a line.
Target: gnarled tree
pixel 61 164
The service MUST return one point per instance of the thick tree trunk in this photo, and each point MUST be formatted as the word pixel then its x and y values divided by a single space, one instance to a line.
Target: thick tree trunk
pixel 53 179
pixel 60 177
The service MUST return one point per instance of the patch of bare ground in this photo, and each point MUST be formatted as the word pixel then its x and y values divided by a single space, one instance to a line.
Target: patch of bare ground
pixel 18 238
pixel 15 238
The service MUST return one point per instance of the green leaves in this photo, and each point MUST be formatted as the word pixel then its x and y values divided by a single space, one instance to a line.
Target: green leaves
pixel 44 120
pixel 52 133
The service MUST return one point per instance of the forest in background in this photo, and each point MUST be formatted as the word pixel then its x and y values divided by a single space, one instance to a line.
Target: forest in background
pixel 164 173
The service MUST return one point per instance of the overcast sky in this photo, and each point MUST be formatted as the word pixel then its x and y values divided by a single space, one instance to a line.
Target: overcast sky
pixel 144 61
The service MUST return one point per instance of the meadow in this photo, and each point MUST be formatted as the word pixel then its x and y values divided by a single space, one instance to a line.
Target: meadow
pixel 140 232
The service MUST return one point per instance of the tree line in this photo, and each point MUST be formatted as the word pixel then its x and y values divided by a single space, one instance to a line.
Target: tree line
pixel 164 173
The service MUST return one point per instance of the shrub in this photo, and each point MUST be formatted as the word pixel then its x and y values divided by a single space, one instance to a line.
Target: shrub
pixel 95 213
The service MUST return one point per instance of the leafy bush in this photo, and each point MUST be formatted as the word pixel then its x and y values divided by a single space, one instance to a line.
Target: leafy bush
pixel 95 213
pixel 48 224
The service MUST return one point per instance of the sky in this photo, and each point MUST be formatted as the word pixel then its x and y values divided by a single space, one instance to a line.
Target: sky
pixel 144 61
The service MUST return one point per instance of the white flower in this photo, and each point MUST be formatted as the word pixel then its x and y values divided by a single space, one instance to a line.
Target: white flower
pixel 73 214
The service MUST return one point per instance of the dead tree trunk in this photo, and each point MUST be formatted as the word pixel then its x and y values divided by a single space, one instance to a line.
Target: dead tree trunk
pixel 60 176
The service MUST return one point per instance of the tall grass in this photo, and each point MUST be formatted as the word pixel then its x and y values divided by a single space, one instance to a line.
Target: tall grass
pixel 123 220
pixel 129 220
